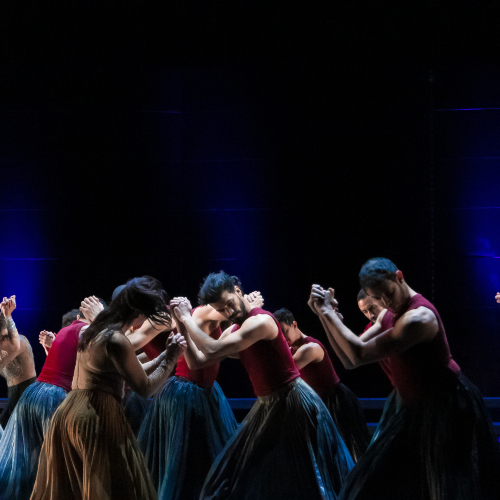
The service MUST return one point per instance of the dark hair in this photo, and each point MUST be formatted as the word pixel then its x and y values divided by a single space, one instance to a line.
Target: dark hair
pixel 70 316
pixel 214 285
pixel 362 295
pixel 116 291
pixel 284 316
pixel 140 296
pixel 375 271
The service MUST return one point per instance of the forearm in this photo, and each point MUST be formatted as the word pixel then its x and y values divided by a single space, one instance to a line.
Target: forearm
pixel 208 346
pixel 345 339
pixel 161 368
pixel 11 327
pixel 150 366
pixel 344 359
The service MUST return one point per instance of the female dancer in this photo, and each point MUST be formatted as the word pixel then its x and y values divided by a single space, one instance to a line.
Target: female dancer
pixel 16 359
pixel 90 451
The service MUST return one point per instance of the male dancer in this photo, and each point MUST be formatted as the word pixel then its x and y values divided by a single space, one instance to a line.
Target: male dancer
pixel 288 446
pixel 435 439
pixel 371 307
pixel 316 369
pixel 16 359
pixel 190 420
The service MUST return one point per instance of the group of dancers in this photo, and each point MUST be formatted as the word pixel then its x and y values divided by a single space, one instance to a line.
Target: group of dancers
pixel 86 428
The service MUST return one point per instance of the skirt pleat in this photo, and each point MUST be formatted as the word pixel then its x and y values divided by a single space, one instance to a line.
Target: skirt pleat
pixel 14 394
pixel 441 448
pixel 184 430
pixel 23 438
pixel 90 453
pixel 348 416
pixel 287 448
pixel 135 409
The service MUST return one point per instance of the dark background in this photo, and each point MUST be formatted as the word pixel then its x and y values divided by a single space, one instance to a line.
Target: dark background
pixel 284 142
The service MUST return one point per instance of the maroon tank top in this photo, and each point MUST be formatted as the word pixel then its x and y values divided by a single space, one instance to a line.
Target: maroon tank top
pixel 156 345
pixel 204 377
pixel 60 364
pixel 425 364
pixel 320 376
pixel 269 363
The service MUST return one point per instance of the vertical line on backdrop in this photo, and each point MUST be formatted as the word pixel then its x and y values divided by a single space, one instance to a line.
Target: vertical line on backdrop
pixel 432 186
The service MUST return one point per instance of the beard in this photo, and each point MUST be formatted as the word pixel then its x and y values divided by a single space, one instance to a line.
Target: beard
pixel 242 315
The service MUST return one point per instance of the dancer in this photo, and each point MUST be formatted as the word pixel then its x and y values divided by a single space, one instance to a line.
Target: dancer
pixel 189 421
pixel 371 307
pixel 435 439
pixel 23 438
pixel 90 451
pixel 288 446
pixel 316 369
pixel 16 359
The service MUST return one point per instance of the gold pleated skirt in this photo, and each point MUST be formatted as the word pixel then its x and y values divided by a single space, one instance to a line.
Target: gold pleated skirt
pixel 91 453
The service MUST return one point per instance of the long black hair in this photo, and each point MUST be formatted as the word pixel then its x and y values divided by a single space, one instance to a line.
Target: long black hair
pixel 139 296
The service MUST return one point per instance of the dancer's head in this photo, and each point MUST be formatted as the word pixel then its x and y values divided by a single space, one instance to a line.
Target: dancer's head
pixel 140 299
pixel 371 307
pixel 224 294
pixel 70 316
pixel 288 325
pixel 380 277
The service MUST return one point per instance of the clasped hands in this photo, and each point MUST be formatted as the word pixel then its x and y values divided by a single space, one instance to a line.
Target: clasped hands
pixel 8 305
pixel 323 301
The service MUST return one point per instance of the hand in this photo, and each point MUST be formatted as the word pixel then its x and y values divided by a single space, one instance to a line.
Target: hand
pixel 182 308
pixel 91 307
pixel 176 343
pixel 8 305
pixel 497 296
pixel 255 299
pixel 46 338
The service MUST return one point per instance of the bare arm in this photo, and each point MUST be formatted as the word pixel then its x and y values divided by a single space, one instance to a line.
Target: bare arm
pixel 415 326
pixel 146 333
pixel 195 359
pixel 10 348
pixel 344 359
pixel 306 354
pixel 254 329
pixel 122 353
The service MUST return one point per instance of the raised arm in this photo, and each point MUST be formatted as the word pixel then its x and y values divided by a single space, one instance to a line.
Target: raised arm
pixel 344 359
pixel 415 326
pixel 147 332
pixel 122 354
pixel 10 345
pixel 255 328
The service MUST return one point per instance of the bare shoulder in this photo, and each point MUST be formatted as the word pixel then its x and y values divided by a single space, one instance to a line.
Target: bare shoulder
pixel 262 322
pixel 207 313
pixel 421 314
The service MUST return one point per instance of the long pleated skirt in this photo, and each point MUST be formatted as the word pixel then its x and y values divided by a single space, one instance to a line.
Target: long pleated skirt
pixel 23 438
pixel 184 430
pixel 348 416
pixel 135 408
pixel 287 448
pixel 91 453
pixel 443 448
pixel 14 394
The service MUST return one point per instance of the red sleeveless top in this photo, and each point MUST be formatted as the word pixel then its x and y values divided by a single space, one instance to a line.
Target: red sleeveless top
pixel 60 364
pixel 269 363
pixel 320 376
pixel 156 345
pixel 425 364
pixel 204 377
